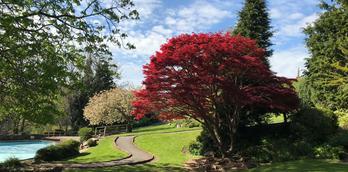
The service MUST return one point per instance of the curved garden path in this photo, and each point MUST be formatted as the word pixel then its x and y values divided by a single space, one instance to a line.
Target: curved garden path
pixel 124 143
pixel 137 156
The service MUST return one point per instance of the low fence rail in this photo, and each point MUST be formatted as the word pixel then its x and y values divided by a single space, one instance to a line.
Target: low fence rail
pixel 111 129
pixel 55 133
pixel 101 131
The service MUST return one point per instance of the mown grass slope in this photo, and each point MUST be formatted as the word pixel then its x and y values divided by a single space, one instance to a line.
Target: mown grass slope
pixel 167 143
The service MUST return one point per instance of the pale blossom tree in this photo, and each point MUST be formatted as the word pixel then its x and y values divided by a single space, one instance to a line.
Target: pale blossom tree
pixel 109 107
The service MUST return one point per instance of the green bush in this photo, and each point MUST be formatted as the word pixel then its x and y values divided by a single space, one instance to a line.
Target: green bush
pixel 262 153
pixel 11 162
pixel 207 143
pixel 314 125
pixel 193 124
pixel 328 152
pixel 145 121
pixel 85 133
pixel 344 123
pixel 58 152
pixel 340 139
pixel 301 148
pixel 342 119
pixel 195 148
pixel 277 150
pixel 190 123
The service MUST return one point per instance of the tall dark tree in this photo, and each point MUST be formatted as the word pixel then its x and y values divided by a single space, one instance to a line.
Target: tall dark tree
pixel 254 23
pixel 105 74
pixel 79 97
pixel 97 75
pixel 327 69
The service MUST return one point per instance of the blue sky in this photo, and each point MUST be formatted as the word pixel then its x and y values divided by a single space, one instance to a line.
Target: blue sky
pixel 162 19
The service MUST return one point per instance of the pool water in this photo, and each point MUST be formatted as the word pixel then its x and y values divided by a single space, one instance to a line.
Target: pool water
pixel 21 149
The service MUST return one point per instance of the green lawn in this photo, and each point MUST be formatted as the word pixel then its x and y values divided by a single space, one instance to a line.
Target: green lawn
pixel 168 148
pixel 304 165
pixel 105 151
pixel 163 128
pixel 276 119
pixel 167 143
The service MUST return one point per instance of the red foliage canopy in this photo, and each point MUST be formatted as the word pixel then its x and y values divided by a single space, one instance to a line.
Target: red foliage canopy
pixel 197 75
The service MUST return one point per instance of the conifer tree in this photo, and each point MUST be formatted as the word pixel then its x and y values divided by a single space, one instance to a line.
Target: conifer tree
pixel 98 75
pixel 254 23
pixel 327 69
pixel 105 73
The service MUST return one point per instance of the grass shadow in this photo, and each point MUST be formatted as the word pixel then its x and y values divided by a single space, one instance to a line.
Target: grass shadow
pixel 134 168
pixel 151 129
pixel 82 154
pixel 304 165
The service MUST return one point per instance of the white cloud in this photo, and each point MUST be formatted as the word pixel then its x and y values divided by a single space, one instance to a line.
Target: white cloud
pixel 296 16
pixel 146 8
pixel 275 13
pixel 157 24
pixel 287 62
pixel 295 29
pixel 197 17
pixel 290 17
pixel 145 40
pixel 131 74
pixel 161 30
pixel 147 43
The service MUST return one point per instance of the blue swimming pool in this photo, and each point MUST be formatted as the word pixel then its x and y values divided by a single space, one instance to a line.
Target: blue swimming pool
pixel 21 149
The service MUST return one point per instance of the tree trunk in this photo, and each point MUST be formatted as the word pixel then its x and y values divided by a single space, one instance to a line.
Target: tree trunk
pixel 15 125
pixel 222 128
pixel 285 118
pixel 22 126
pixel 129 127
pixel 214 134
pixel 229 118
pixel 66 129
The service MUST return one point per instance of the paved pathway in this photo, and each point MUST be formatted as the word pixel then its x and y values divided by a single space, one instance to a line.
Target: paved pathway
pixel 136 156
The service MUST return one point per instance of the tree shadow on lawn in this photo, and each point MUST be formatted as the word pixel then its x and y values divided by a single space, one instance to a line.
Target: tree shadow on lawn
pixel 70 159
pixel 304 165
pixel 134 168
pixel 165 130
pixel 151 129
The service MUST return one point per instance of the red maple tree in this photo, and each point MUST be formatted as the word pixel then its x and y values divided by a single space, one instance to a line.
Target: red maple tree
pixel 213 78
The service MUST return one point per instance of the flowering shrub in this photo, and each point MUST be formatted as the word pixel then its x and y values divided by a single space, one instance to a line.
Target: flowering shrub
pixel 109 107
